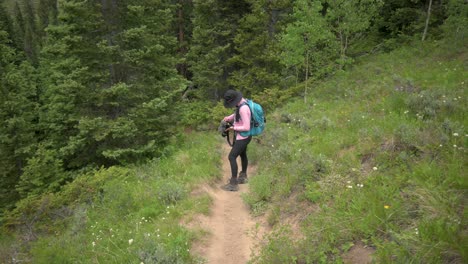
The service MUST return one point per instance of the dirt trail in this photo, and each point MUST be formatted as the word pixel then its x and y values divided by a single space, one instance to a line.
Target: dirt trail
pixel 233 231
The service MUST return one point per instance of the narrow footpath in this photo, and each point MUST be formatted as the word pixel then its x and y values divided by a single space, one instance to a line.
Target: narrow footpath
pixel 233 232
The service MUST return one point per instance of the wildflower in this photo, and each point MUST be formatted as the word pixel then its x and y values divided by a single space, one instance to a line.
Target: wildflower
pixel 375 168
pixel 455 134
pixel 386 206
pixel 130 241
pixel 169 234
pixel 348 182
pixel 353 169
pixel 454 146
pixel 94 244
pixel 406 112
pixel 440 145
pixel 349 187
pixel 360 185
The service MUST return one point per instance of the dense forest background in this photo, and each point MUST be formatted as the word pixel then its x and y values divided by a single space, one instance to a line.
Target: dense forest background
pixel 92 83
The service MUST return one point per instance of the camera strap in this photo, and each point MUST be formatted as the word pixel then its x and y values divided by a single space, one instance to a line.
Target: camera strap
pixel 233 138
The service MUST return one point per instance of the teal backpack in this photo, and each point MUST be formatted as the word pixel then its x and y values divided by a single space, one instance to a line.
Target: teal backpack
pixel 257 120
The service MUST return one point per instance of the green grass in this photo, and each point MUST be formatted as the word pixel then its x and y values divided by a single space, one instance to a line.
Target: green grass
pixel 118 215
pixel 378 155
pixel 380 150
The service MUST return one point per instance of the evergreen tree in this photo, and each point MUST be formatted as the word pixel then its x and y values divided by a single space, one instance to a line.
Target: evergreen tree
pixel 256 63
pixel 111 81
pixel 214 23
pixel 18 117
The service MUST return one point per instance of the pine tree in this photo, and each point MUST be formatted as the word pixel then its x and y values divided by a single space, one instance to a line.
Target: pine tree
pixel 18 117
pixel 256 63
pixel 214 24
pixel 111 81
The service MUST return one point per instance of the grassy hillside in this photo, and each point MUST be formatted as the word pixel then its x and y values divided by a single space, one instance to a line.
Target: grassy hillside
pixel 376 157
pixel 117 215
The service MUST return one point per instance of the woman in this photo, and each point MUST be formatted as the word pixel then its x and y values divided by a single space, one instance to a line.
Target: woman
pixel 241 122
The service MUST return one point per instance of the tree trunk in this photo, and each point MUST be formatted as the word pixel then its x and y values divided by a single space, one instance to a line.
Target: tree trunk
pixel 427 20
pixel 182 68
pixel 306 76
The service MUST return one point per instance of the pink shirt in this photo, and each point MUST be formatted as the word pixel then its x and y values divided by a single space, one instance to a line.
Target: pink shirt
pixel 244 122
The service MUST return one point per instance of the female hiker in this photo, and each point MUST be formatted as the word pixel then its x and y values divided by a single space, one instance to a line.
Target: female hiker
pixel 241 122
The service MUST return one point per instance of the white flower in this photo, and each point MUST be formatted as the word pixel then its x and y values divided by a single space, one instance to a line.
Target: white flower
pixel 169 234
pixel 130 241
pixel 455 134
pixel 454 146
pixel 375 168
pixel 440 145
pixel 353 169
pixel 349 187
pixel 94 244
pixel 348 182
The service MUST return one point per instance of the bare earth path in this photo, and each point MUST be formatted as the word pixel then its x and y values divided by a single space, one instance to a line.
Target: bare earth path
pixel 233 231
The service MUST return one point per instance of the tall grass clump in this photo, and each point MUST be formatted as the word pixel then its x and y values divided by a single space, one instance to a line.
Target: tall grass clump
pixel 376 158
pixel 116 214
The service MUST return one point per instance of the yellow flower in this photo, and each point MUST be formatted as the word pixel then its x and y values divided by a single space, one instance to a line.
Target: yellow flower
pixel 386 206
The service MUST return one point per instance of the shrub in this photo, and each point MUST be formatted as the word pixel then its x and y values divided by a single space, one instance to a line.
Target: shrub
pixel 171 192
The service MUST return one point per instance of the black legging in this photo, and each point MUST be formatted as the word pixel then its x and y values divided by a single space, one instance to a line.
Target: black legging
pixel 239 149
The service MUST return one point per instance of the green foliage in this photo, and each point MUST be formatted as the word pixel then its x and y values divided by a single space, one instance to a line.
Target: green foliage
pixel 383 161
pixel 171 192
pixel 117 214
pixel 44 173
pixel 255 61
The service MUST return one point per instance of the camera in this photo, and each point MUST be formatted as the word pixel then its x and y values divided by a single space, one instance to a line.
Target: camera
pixel 222 128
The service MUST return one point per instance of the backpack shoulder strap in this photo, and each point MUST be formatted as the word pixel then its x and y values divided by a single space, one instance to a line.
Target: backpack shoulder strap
pixel 238 109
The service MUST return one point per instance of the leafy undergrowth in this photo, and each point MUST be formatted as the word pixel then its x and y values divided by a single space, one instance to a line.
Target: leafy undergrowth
pixel 379 154
pixel 116 215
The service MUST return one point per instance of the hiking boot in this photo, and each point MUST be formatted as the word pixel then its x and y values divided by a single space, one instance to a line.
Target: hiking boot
pixel 230 187
pixel 242 178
